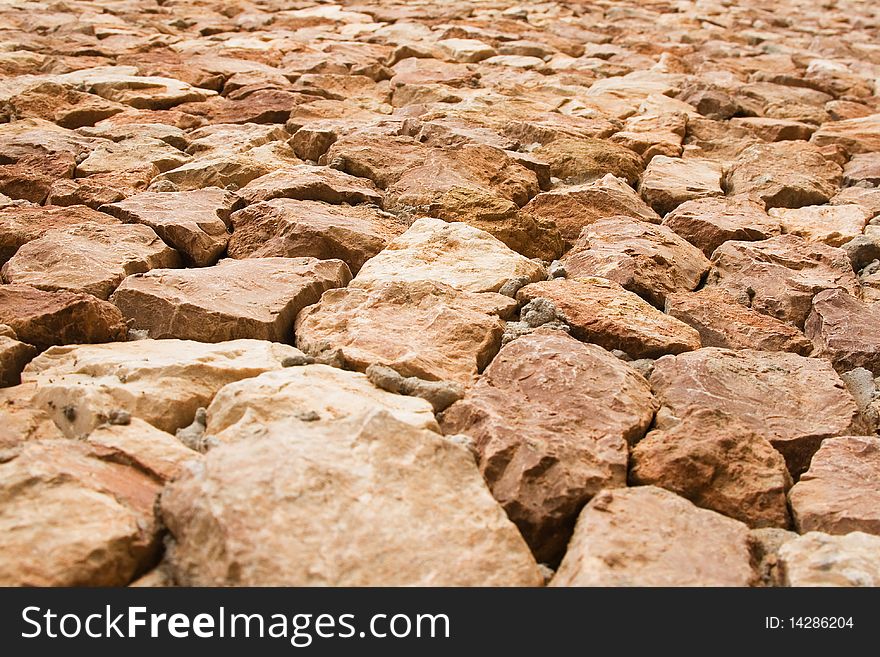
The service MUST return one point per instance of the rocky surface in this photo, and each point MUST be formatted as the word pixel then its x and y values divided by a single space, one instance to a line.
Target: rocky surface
pixel 532 224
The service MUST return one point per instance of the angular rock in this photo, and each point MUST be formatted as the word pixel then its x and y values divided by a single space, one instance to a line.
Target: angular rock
pixel 863 169
pixel 89 257
pixel 453 254
pixel 845 330
pixel 860 135
pixel 834 225
pixel 840 493
pixel 770 129
pixel 311 183
pixel 437 332
pixel 583 160
pixel 22 224
pixel 192 222
pixel 649 260
pixel 709 222
pixel 381 503
pixel 574 207
pixel 780 276
pixel 14 355
pixel 22 421
pixel 786 174
pixel 670 181
pixel 647 536
pixel 160 381
pixel 768 392
pixel 817 559
pixel 44 318
pixel 602 312
pixel 72 517
pixel 255 298
pixel 381 158
pixel 551 418
pixel 311 398
pixel 719 464
pixel 122 84
pixel 723 322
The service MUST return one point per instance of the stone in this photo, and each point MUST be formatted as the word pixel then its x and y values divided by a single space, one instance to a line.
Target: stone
pixel 772 129
pixel 817 559
pixel 381 158
pixel 256 298
pixel 602 312
pixel 22 224
pixel 768 392
pixel 14 355
pixel 586 159
pixel 719 464
pixel 311 142
pixel 96 257
pixel 863 169
pixel 227 171
pixel 440 394
pixel 551 419
pixel 160 381
pixel 454 254
pixel 709 222
pixel 158 454
pixel 647 536
pixel 574 207
pixel 380 503
pixel 311 183
pixel 465 50
pixel 48 100
pixel 122 84
pixel 73 517
pixel 839 494
pixel 834 225
pixel 670 181
pixel 844 330
pixel 44 318
pixel 131 155
pixel 308 397
pixel 647 259
pixel 651 135
pixel 439 332
pixel 786 174
pixel 290 228
pixel 723 322
pixel 780 276
pixel 859 135
pixel 22 421
pixel 193 222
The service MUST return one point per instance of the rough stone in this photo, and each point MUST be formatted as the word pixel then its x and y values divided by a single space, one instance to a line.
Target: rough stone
pixel 845 330
pixel 670 181
pixel 255 298
pixel 647 536
pixel 834 225
pixel 311 183
pixel 551 419
pixel 817 559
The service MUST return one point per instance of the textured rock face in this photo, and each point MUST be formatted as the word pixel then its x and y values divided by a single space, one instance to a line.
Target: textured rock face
pixel 845 331
pixel 602 312
pixel 160 381
pixel 574 207
pixel 454 254
pixel 45 318
pixel 311 183
pixel 786 174
pixel 21 224
pixel 717 463
pixel 192 222
pixel 440 333
pixel 551 419
pixel 649 260
pixel 780 276
pixel 770 393
pixel 840 492
pixel 647 536
pixel 709 222
pixel 96 258
pixel 290 228
pixel 310 397
pixel 670 181
pixel 857 135
pixel 253 298
pixel 14 355
pixel 834 225
pixel 72 517
pixel 582 160
pixel 818 559
pixel 722 322
pixel 381 503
